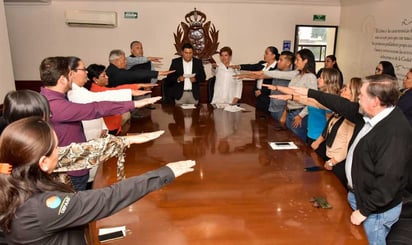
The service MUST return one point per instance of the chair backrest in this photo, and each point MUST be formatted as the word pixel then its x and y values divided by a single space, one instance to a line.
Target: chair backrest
pixel 210 88
pixel 167 93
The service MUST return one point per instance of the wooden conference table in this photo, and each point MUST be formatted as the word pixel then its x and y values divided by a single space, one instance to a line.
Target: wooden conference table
pixel 241 192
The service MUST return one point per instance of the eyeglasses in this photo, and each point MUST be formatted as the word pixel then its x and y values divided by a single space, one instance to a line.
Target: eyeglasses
pixel 80 69
pixel 378 69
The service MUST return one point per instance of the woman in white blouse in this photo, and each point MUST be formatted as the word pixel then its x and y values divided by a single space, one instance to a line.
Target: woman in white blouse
pixel 227 90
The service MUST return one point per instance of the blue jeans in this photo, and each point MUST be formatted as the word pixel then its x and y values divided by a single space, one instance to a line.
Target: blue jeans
pixel 276 115
pixel 79 182
pixel 302 130
pixel 377 226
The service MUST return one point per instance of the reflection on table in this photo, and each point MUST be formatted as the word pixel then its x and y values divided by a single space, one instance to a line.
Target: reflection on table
pixel 242 191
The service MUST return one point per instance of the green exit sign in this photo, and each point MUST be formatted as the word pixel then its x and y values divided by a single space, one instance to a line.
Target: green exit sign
pixel 319 17
pixel 130 15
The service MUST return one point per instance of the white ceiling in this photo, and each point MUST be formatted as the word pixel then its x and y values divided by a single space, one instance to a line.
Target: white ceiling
pixel 288 2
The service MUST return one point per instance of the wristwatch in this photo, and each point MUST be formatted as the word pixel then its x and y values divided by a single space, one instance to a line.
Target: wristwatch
pixel 329 162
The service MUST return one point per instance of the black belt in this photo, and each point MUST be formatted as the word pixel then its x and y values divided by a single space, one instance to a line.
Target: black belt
pixel 292 110
pixel 187 90
pixel 350 189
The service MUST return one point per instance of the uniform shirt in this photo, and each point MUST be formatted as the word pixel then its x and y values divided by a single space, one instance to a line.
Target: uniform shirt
pixel 58 218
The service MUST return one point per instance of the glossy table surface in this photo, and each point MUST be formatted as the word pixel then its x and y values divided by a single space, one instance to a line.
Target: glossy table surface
pixel 241 192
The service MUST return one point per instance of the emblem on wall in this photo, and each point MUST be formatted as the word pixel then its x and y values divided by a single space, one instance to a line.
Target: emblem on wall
pixel 203 36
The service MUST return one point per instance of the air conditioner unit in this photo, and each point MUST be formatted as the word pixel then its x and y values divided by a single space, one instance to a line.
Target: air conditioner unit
pixel 29 2
pixel 90 18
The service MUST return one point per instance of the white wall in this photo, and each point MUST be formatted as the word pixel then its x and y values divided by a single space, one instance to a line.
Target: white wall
pixel 357 51
pixel 39 31
pixel 6 70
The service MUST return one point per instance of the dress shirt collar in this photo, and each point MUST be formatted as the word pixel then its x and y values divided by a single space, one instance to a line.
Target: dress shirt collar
pixel 379 117
pixel 51 93
pixel 75 86
pixel 271 66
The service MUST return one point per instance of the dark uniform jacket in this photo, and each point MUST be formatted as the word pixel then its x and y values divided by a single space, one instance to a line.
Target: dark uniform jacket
pixel 59 218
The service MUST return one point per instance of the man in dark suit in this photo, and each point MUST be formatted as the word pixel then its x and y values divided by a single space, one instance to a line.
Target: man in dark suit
pixel 378 162
pixel 118 74
pixel 182 86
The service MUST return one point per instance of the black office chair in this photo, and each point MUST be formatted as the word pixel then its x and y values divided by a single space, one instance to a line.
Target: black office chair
pixel 400 233
pixel 2 238
pixel 167 93
pixel 210 88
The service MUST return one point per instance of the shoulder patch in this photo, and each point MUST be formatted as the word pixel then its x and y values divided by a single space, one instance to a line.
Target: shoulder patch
pixel 63 206
pixel 53 202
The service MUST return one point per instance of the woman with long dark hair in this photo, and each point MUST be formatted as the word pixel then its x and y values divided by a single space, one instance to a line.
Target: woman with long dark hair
pixel 35 209
pixel 385 67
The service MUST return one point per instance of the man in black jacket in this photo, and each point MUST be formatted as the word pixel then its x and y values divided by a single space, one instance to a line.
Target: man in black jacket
pixel 118 74
pixel 183 85
pixel 377 164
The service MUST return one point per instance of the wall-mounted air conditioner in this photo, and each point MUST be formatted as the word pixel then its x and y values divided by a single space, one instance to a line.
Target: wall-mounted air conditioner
pixel 28 2
pixel 90 18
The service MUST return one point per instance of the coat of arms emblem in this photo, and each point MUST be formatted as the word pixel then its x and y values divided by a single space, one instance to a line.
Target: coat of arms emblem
pixel 201 34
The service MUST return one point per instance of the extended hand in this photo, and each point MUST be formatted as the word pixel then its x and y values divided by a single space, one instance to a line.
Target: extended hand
pixel 147 101
pixel 235 67
pixel 250 75
pixel 280 96
pixel 146 85
pixel 270 86
pixel 300 91
pixel 140 92
pixel 181 167
pixel 165 73
pixel 144 137
pixel 155 59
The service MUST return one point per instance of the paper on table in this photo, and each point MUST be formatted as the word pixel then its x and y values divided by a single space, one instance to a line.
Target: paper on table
pixel 283 145
pixel 234 108
pixel 189 75
pixel 103 231
pixel 188 106
pixel 220 105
